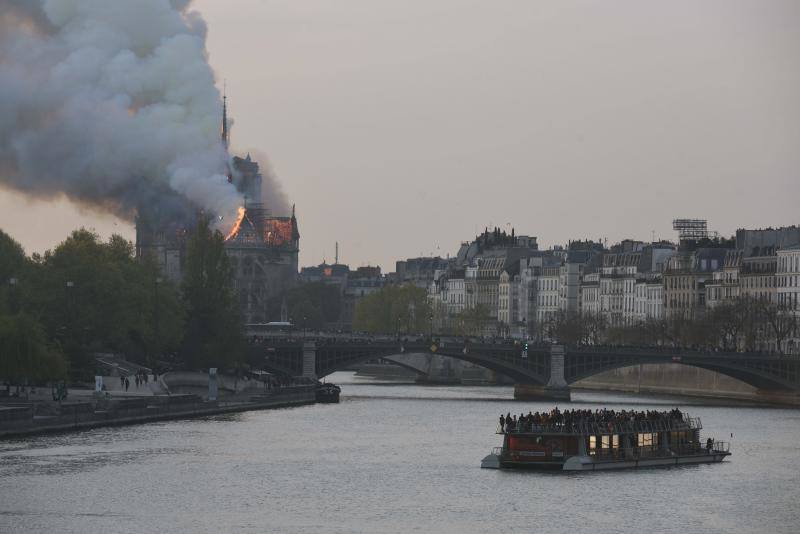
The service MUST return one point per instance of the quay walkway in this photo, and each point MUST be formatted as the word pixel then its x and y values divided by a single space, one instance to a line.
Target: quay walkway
pixel 27 418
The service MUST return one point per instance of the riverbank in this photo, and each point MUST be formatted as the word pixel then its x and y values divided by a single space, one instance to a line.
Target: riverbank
pixel 677 379
pixel 21 419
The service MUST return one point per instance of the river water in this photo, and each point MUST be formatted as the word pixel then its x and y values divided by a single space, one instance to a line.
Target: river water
pixel 390 458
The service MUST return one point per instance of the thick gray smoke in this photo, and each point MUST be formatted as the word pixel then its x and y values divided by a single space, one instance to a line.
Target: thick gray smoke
pixel 272 194
pixel 112 103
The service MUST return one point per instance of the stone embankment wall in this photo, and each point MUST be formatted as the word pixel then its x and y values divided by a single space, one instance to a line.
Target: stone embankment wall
pixel 21 420
pixel 197 383
pixel 677 379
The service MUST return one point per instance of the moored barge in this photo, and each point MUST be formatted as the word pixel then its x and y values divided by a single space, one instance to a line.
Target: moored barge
pixel 587 441
pixel 327 393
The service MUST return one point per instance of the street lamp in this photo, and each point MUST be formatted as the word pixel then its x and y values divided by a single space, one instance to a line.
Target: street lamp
pixel 156 334
pixel 13 300
pixel 72 343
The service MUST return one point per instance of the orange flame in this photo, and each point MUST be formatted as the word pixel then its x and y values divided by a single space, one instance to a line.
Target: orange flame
pixel 235 229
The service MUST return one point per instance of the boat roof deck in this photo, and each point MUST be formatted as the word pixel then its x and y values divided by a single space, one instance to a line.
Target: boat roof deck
pixel 585 428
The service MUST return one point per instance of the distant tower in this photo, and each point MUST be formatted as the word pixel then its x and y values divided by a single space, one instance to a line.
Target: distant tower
pixel 224 134
pixel 284 311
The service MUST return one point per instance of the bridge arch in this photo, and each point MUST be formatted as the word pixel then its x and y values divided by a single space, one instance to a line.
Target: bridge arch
pixel 402 361
pixel 532 370
pixel 550 366
pixel 764 373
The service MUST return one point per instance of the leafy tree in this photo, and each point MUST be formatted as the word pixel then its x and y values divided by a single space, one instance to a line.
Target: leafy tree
pixel 306 314
pixel 394 309
pixel 93 296
pixel 14 266
pixel 25 355
pixel 214 330
pixel 313 305
pixel 472 321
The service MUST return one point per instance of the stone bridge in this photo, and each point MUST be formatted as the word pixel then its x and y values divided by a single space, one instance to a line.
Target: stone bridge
pixel 541 371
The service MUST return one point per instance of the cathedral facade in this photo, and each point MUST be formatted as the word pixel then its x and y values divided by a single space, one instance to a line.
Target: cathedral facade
pixel 263 252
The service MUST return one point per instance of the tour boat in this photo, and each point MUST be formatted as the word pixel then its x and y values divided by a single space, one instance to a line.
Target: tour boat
pixel 588 446
pixel 328 393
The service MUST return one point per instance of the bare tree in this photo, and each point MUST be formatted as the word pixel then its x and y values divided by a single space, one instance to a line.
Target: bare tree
pixel 779 320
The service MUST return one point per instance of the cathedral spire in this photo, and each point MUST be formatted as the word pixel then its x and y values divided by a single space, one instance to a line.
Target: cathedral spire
pixel 225 136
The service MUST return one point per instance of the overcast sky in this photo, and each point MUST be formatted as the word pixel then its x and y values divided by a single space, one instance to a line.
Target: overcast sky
pixel 402 128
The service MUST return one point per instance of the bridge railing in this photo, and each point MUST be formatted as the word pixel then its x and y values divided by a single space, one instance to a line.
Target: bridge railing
pixel 675 352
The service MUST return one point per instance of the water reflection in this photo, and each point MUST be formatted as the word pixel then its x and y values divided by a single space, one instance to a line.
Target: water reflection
pixel 401 457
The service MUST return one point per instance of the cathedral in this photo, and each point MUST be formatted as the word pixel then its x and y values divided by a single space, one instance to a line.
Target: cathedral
pixel 263 250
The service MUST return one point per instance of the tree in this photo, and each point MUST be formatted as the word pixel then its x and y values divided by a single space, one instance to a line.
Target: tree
pixel 733 324
pixel 472 321
pixel 93 296
pixel 214 330
pixel 13 268
pixel 25 355
pixel 400 309
pixel 567 327
pixel 779 320
pixel 594 325
pixel 307 315
pixel 313 305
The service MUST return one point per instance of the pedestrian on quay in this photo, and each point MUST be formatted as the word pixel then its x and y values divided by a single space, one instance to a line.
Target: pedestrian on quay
pixel 121 381
pixel 136 379
pixel 127 383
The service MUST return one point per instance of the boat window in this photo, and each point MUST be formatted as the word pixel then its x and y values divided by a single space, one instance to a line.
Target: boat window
pixel 592 444
pixel 645 439
pixel 615 441
pixel 605 442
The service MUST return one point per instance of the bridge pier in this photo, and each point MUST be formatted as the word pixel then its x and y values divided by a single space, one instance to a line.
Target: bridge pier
pixel 556 388
pixel 310 359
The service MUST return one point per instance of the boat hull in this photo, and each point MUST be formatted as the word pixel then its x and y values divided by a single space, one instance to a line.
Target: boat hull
pixel 587 463
pixel 328 393
pixel 327 398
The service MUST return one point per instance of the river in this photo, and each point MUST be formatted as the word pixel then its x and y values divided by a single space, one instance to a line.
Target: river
pixel 390 458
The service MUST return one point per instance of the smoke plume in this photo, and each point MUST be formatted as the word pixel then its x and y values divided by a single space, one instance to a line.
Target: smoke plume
pixel 111 103
pixel 273 197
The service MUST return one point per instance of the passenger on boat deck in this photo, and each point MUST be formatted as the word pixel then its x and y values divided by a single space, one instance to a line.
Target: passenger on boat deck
pixel 569 420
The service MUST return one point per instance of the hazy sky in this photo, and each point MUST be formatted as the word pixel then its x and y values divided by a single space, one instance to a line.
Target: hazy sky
pixel 402 128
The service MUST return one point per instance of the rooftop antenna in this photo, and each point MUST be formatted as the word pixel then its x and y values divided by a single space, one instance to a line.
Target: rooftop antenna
pixel 337 254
